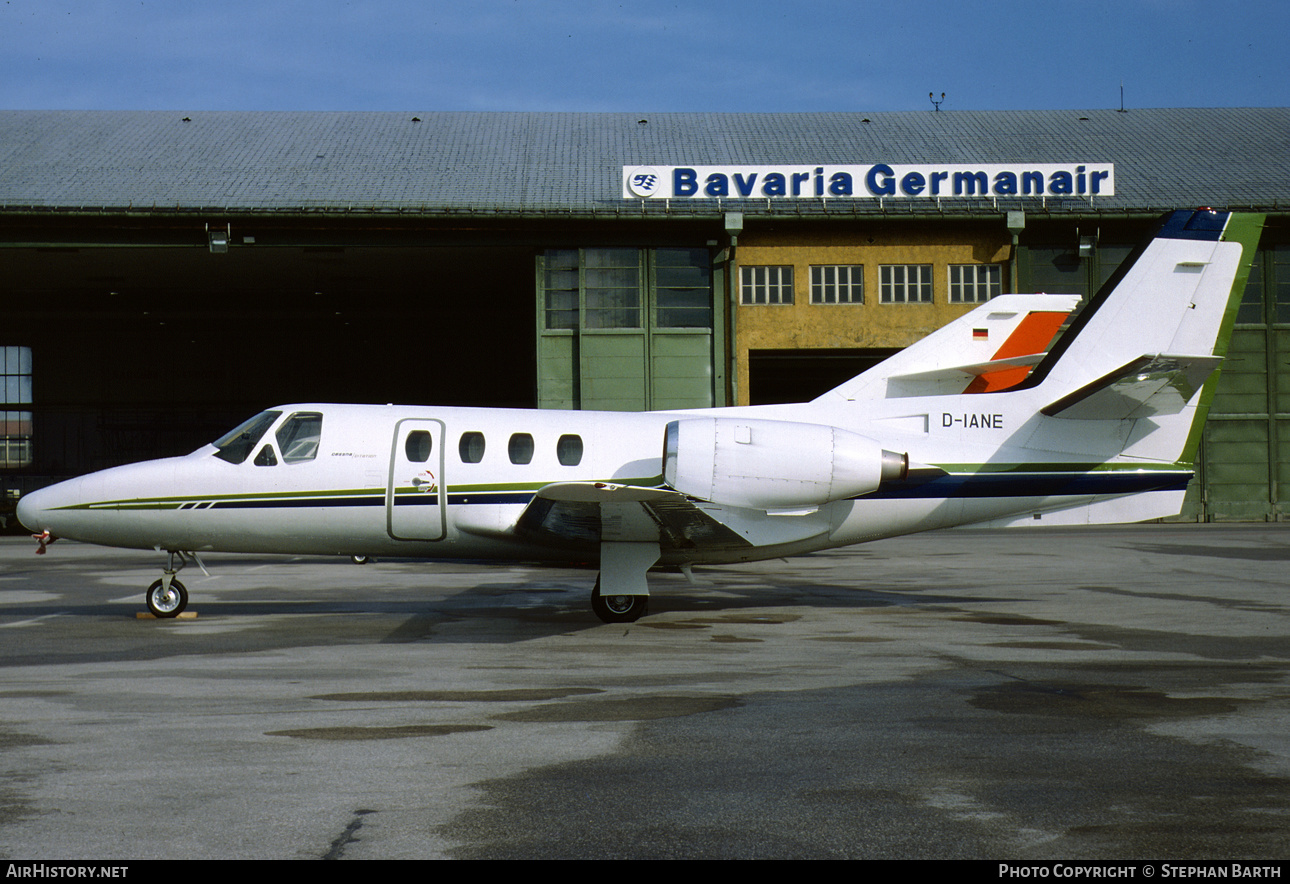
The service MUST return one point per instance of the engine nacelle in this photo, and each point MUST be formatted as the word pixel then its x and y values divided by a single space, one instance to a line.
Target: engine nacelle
pixel 767 464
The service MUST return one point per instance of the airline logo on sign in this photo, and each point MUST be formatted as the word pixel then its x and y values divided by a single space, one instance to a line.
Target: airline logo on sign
pixel 1083 180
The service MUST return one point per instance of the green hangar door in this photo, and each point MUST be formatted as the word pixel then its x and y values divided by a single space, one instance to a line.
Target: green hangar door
pixel 1244 471
pixel 627 329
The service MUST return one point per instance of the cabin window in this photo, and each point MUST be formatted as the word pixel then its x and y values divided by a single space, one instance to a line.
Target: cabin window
pixel 236 445
pixel 418 446
pixel 520 448
pixel 298 436
pixel 471 447
pixel 569 450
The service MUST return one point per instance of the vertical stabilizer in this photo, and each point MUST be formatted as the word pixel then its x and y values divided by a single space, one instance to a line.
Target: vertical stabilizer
pixel 1146 350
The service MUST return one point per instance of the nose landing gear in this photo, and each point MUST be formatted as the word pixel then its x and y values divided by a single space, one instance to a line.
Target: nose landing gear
pixel 167 597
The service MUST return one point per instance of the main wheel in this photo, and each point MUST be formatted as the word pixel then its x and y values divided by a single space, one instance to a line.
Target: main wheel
pixel 618 608
pixel 165 603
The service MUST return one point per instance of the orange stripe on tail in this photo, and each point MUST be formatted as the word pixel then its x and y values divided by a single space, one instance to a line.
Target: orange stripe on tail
pixel 1032 335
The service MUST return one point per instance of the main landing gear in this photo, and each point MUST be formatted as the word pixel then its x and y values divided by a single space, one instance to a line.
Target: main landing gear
pixel 618 608
pixel 167 597
pixel 623 566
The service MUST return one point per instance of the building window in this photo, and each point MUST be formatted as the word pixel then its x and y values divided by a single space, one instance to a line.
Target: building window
pixel 682 288
pixel 560 286
pixel 613 288
pixel 905 283
pixel 837 284
pixel 975 283
pixel 15 423
pixel 625 288
pixel 766 285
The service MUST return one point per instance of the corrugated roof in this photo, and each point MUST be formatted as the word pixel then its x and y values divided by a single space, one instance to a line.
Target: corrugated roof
pixel 570 163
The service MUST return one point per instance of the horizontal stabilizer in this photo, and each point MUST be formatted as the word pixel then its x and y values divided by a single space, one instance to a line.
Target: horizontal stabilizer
pixel 1146 387
pixel 991 348
pixel 965 372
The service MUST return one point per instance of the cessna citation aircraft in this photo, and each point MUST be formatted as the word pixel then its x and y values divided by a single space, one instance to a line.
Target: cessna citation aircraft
pixel 975 424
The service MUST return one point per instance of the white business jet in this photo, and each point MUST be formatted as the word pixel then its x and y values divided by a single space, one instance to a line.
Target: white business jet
pixel 982 422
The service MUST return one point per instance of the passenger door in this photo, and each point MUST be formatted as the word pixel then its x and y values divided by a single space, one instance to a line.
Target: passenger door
pixel 416 495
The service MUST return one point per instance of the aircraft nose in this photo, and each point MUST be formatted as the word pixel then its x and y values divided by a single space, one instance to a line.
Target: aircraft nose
pixel 48 509
pixel 103 507
pixel 33 508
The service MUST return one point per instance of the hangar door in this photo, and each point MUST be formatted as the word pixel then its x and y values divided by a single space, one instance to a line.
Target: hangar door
pixel 1244 472
pixel 626 329
pixel 118 353
pixel 1243 469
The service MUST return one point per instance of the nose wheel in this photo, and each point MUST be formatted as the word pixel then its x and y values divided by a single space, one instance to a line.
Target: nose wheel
pixel 167 598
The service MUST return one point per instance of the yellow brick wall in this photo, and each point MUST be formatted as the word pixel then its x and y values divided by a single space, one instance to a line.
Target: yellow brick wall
pixel 806 326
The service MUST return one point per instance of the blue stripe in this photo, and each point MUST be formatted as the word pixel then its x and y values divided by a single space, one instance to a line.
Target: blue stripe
pixel 417 499
pixel 1030 485
pixel 1204 224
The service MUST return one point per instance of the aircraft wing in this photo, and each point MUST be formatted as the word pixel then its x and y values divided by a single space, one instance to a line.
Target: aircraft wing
pixel 588 513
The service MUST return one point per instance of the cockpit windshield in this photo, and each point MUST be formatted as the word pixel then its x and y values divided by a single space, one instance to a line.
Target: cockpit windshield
pixel 235 446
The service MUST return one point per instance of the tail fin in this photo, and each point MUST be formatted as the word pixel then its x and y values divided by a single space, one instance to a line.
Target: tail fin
pixel 1106 426
pixel 1178 294
pixel 1153 337
pixel 1141 349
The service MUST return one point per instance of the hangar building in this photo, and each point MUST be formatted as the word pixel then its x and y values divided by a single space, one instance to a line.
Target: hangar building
pixel 165 275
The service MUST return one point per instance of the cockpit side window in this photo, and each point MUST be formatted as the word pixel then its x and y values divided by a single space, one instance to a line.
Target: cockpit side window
pixel 236 445
pixel 298 436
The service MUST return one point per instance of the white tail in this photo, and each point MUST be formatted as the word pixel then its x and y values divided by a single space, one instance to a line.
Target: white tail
pixel 1141 349
pixel 1095 413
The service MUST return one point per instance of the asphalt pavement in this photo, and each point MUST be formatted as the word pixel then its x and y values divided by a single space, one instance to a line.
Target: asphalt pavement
pixel 1112 693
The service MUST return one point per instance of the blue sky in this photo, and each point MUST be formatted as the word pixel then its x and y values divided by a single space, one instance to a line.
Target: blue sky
pixel 643 56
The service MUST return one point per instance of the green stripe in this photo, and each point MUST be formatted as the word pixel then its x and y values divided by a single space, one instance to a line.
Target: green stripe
pixel 968 469
pixel 170 503
pixel 1244 228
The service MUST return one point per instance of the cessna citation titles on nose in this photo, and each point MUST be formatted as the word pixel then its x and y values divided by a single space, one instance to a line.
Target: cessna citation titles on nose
pixel 982 422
